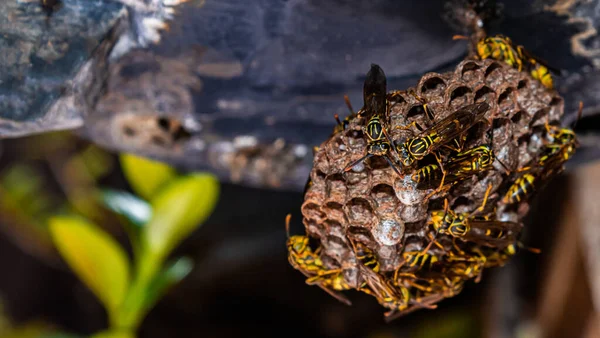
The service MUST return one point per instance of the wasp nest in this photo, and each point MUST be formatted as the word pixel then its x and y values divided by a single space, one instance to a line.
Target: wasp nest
pixel 384 212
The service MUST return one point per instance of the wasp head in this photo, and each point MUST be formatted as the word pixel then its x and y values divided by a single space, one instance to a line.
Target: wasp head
pixel 458 227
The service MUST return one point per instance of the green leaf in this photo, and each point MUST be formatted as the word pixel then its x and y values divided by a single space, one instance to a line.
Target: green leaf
pixel 171 275
pixel 178 210
pixel 135 209
pixel 146 176
pixel 95 257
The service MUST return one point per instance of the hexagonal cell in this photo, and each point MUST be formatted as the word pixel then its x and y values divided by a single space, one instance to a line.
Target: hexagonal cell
pixel 506 98
pixel 460 96
pixel 336 148
pixel 336 188
pixel 335 228
pixel 312 210
pixel 469 71
pixel 493 72
pixel 431 85
pixel 523 84
pixel 359 212
pixel 383 194
pixel 485 94
pixel 335 211
pixel 540 117
pixel 411 213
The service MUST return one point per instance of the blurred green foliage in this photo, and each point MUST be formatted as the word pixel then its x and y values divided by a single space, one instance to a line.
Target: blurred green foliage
pixel 172 207
pixel 29 194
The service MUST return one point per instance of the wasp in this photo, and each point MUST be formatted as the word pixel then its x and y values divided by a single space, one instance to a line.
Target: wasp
pixel 374 284
pixel 437 283
pixel 419 259
pixel 469 266
pixel 562 146
pixel 375 111
pixel 538 69
pixel 304 259
pixel 441 133
pixel 401 302
pixel 479 229
pixel 541 72
pixel 522 188
pixel 458 167
pixel 501 48
pixel 411 303
pixel 331 280
pixel 389 295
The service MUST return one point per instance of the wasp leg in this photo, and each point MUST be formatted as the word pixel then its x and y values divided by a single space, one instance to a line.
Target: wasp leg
pixel 440 188
pixel 408 126
pixel 351 165
pixel 485 197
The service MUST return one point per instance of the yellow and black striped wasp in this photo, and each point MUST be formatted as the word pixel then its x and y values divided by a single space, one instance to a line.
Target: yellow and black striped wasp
pixel 552 157
pixel 501 48
pixel 442 132
pixel 375 111
pixel 458 167
pixel 538 68
pixel 482 230
pixel 304 259
pixel 522 188
pixel 389 294
pixel 369 266
pixel 418 259
pixel 409 303
pixel 431 282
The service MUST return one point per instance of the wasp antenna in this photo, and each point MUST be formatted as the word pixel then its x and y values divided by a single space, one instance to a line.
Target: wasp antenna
pixel 348 104
pixel 530 249
pixel 287 224
pixel 579 114
pixel 460 37
pixel 337 118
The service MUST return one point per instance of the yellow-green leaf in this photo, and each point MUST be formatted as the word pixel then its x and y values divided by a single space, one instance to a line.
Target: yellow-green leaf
pixel 94 256
pixel 146 176
pixel 178 210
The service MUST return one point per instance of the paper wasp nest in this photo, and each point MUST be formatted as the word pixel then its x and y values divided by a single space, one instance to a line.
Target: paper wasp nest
pixel 375 206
